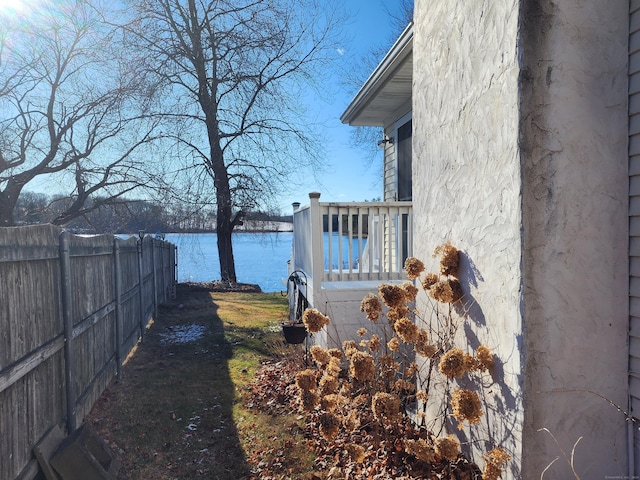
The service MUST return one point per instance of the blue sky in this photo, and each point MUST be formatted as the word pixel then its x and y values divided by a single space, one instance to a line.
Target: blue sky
pixel 351 173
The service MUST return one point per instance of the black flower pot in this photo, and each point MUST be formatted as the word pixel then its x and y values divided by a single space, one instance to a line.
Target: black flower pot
pixel 294 333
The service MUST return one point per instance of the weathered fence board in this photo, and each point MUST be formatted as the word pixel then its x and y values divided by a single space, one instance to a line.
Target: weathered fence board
pixel 71 310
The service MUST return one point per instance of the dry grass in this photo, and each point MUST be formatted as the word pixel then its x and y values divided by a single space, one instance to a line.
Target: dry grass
pixel 180 411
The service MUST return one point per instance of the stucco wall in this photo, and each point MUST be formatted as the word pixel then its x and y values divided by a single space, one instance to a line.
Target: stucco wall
pixel 467 186
pixel 574 164
pixel 520 158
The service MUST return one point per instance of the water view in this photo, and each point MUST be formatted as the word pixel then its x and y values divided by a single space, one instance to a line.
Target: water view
pixel 261 258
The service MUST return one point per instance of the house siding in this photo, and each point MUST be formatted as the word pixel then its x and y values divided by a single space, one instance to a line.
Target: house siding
pixel 389 194
pixel 634 221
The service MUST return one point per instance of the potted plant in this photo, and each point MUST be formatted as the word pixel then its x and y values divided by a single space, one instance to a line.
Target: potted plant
pixel 294 333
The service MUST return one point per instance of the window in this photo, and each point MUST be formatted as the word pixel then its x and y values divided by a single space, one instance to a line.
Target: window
pixel 403 151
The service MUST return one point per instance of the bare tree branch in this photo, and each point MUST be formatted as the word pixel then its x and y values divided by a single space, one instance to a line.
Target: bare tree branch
pixel 69 104
pixel 230 72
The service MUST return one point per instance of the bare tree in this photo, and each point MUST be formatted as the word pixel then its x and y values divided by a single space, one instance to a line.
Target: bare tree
pixel 235 73
pixel 69 109
pixel 399 16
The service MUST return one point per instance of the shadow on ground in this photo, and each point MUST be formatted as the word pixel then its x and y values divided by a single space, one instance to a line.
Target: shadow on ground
pixel 171 415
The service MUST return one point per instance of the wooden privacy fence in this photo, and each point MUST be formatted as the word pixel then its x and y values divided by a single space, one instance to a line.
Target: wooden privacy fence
pixel 71 309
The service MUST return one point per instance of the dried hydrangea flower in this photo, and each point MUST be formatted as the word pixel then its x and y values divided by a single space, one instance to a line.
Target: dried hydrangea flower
pixel 314 320
pixel 446 291
pixel 413 267
pixel 329 402
pixel 351 422
pixel 393 344
pixel 371 306
pixel 355 452
pixel 422 345
pixel 449 260
pixel 404 386
pixel 484 357
pixel 320 355
pixel 307 380
pixel 362 400
pixel 329 384
pixel 429 280
pixel 393 296
pixel 453 363
pixel 335 352
pixel 308 401
pixel 385 406
pixel 389 363
pixel 410 291
pixel 362 366
pixel 425 349
pixel 411 369
pixel 362 332
pixel 406 330
pixel 466 406
pixel 420 449
pixel 374 343
pixel 334 368
pixel 329 426
pixel 349 347
pixel 495 461
pixel 422 395
pixel 447 448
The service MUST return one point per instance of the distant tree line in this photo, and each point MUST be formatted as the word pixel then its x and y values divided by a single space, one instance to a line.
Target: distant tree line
pixel 127 216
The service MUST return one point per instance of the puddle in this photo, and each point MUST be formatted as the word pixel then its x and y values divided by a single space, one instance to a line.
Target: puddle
pixel 182 334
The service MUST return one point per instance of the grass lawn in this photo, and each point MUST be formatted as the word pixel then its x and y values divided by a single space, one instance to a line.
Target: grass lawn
pixel 183 407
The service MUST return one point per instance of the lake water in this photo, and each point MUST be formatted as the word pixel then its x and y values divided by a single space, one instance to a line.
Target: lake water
pixel 261 258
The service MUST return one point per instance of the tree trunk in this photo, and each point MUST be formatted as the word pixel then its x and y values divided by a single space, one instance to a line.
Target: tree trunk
pixel 8 201
pixel 225 248
pixel 6 214
pixel 224 222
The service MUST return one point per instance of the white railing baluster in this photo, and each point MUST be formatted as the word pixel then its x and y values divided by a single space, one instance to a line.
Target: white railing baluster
pixel 379 247
pixel 360 252
pixel 340 242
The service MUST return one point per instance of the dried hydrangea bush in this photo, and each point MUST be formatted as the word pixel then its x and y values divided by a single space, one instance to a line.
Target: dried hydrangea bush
pixel 360 397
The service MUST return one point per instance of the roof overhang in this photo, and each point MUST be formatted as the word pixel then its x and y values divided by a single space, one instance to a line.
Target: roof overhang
pixel 386 94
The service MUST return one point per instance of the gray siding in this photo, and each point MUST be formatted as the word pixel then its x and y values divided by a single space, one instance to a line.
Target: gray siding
pixel 634 218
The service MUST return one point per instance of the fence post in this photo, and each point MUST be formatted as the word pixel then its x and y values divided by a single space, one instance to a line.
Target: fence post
pixel 163 273
pixel 155 277
pixel 67 317
pixel 175 268
pixel 117 279
pixel 141 284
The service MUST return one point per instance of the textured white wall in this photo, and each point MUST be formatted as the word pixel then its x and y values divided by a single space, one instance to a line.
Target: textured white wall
pixel 467 185
pixel 574 164
pixel 520 130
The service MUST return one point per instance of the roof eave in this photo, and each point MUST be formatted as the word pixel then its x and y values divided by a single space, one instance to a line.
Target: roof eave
pixel 400 50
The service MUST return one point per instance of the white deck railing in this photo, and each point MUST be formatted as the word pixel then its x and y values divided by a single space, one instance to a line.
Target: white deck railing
pixel 338 242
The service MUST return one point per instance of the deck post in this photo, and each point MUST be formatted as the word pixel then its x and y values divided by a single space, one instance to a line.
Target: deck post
pixel 317 247
pixel 292 261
